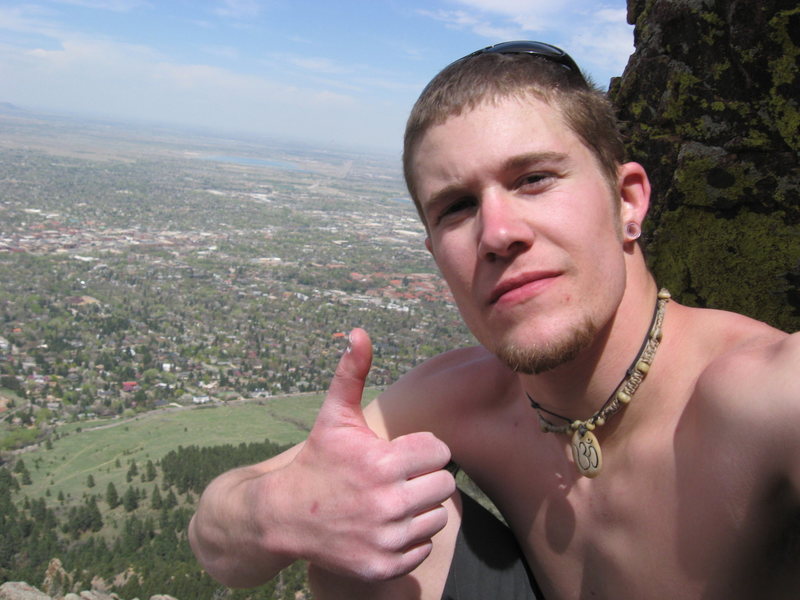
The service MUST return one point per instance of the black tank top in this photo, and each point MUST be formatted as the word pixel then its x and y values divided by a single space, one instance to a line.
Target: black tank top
pixel 488 563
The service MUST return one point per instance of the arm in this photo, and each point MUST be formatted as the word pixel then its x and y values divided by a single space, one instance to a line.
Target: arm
pixel 346 500
pixel 228 539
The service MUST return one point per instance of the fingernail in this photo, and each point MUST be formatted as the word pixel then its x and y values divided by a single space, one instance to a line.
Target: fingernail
pixel 349 348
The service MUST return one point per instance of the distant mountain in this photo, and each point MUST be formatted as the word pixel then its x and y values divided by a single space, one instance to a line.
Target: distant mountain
pixel 8 108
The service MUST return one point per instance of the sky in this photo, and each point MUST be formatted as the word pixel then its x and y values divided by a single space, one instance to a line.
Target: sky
pixel 327 72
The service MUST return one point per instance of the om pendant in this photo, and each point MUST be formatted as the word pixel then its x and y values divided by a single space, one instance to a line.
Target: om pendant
pixel 586 453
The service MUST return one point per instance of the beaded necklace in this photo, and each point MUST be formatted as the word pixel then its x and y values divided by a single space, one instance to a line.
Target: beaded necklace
pixel 585 448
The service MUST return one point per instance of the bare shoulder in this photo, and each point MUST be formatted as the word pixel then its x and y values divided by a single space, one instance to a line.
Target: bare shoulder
pixel 748 358
pixel 439 394
pixel 747 386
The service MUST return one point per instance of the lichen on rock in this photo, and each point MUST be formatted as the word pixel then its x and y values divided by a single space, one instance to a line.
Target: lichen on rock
pixel 709 105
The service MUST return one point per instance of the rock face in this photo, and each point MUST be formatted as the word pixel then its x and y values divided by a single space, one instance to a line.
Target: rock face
pixel 710 105
pixel 19 590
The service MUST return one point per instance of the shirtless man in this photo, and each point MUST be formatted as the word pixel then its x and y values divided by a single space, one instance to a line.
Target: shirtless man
pixel 680 477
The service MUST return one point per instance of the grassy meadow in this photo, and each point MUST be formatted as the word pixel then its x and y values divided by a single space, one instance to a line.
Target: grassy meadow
pixel 105 449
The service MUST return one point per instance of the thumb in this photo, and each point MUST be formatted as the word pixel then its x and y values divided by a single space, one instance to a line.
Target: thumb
pixel 342 405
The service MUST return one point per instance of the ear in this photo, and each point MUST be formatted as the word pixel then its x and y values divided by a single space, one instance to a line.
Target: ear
pixel 633 187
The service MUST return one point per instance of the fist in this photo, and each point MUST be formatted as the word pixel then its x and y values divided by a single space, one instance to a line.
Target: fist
pixel 368 507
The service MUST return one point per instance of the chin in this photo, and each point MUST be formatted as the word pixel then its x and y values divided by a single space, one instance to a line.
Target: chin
pixel 532 357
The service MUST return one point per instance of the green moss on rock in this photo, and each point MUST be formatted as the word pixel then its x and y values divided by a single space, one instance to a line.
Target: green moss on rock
pixel 709 104
pixel 737 262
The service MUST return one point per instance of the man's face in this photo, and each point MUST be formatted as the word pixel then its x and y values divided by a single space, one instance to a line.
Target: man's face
pixel 524 229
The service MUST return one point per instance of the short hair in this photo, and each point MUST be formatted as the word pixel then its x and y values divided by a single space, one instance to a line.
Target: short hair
pixel 491 77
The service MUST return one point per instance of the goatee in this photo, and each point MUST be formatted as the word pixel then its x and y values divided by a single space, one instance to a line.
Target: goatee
pixel 534 358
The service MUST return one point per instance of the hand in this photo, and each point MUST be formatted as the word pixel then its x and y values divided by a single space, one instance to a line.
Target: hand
pixel 368 506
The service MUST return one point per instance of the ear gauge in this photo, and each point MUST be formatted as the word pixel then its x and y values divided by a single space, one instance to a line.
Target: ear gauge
pixel 632 231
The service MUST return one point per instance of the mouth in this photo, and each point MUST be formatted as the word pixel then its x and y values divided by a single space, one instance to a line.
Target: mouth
pixel 521 287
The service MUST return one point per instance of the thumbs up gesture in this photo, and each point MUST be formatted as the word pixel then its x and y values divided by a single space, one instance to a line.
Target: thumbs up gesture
pixel 366 506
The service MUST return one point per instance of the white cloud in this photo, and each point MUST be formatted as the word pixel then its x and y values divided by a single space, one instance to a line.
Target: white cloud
pixel 105 78
pixel 612 15
pixel 595 34
pixel 459 19
pixel 503 19
pixel 112 5
pixel 28 19
pixel 513 7
pixel 315 64
pixel 238 9
pixel 92 54
pixel 603 43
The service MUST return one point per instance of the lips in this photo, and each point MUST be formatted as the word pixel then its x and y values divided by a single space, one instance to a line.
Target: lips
pixel 521 287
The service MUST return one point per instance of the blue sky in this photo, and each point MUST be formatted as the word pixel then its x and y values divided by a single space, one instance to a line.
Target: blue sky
pixel 342 72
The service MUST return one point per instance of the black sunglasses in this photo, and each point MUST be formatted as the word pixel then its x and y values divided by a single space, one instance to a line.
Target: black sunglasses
pixel 551 53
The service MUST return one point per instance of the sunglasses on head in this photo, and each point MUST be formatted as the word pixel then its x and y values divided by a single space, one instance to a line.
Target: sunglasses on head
pixel 547 51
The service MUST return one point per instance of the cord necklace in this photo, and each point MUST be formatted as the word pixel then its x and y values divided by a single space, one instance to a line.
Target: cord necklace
pixel 585 448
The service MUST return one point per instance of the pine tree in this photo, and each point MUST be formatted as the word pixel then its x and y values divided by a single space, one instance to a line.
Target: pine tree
pixel 155 499
pixel 133 471
pixel 170 501
pixel 150 470
pixel 130 500
pixel 95 518
pixel 112 497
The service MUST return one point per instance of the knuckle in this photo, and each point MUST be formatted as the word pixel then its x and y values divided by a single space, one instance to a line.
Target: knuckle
pixel 379 570
pixel 427 443
pixel 394 506
pixel 382 462
pixel 392 539
pixel 447 482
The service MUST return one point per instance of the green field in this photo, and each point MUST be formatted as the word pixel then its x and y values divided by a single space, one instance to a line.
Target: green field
pixel 97 447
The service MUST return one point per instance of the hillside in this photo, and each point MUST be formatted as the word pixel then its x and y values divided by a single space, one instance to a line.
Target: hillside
pixel 111 500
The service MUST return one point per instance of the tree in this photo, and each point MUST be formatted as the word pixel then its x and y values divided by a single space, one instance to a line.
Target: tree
pixel 90 481
pixel 150 471
pixel 130 500
pixel 112 497
pixel 133 471
pixel 155 499
pixel 171 501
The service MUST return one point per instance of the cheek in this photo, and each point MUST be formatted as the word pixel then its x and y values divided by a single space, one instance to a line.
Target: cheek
pixel 455 274
pixel 453 257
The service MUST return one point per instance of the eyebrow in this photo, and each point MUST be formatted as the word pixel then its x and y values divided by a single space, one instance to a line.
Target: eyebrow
pixel 513 163
pixel 532 158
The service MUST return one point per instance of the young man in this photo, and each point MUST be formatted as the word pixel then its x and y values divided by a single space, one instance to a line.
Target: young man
pixel 637 448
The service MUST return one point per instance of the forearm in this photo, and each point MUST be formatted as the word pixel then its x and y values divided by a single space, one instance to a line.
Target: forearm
pixel 236 533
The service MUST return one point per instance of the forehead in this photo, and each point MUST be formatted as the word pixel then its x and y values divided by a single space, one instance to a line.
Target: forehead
pixel 480 141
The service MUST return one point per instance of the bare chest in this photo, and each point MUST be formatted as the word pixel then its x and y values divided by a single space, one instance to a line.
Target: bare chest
pixel 667 517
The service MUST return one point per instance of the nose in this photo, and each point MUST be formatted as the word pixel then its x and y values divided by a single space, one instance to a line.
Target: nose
pixel 503 232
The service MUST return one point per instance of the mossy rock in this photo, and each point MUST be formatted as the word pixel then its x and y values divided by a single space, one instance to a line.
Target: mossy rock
pixel 736 264
pixel 710 104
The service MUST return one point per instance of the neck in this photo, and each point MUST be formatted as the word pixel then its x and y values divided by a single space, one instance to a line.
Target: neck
pixel 579 388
